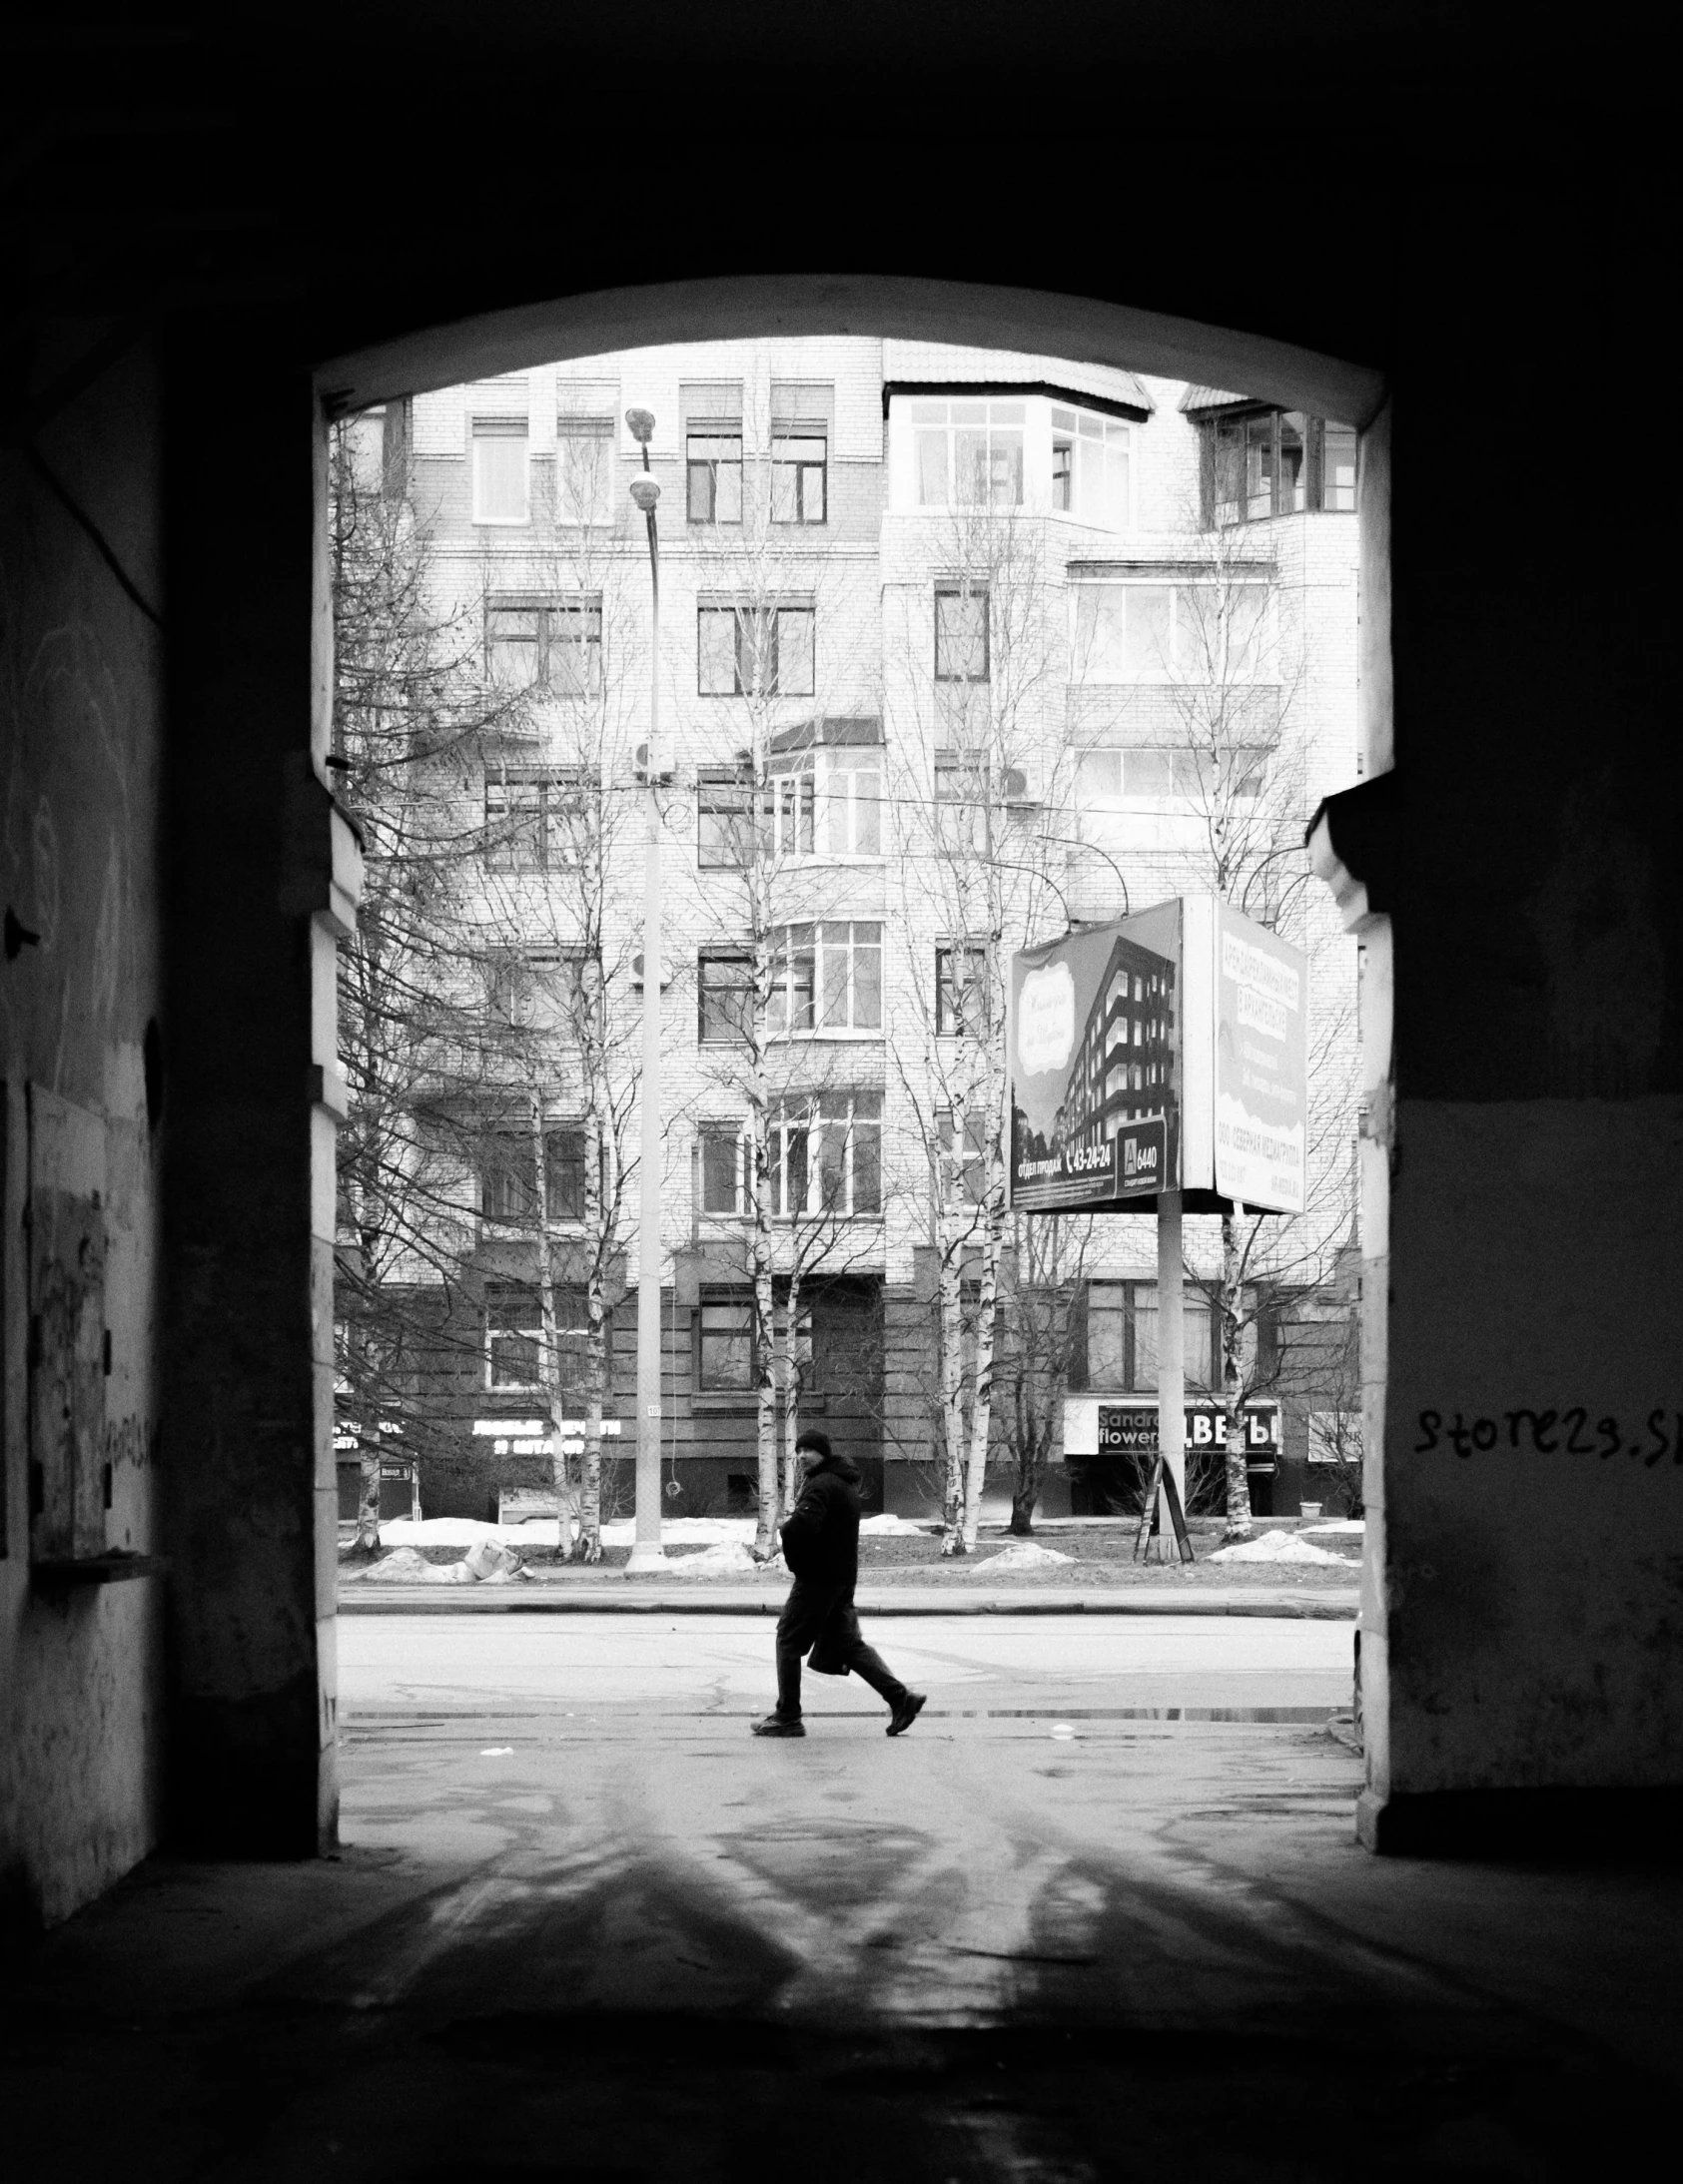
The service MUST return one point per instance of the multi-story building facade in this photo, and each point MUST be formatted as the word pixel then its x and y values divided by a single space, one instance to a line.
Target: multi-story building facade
pixel 955 648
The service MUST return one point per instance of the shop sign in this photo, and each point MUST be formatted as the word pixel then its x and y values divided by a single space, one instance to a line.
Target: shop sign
pixel 1131 1429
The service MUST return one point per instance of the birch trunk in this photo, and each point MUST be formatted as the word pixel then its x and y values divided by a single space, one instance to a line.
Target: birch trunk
pixel 792 1381
pixel 549 1366
pixel 1232 1332
pixel 588 1546
pixel 952 1392
pixel 982 1405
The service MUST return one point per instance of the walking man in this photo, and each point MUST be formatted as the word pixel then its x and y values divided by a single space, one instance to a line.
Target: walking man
pixel 821 1547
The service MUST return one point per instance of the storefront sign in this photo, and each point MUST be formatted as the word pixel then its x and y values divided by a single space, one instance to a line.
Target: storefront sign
pixel 1131 1429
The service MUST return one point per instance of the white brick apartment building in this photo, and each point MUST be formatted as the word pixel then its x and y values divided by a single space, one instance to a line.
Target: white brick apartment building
pixel 983 577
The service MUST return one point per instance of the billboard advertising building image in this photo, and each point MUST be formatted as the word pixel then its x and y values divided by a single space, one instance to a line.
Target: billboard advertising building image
pixel 1167 1050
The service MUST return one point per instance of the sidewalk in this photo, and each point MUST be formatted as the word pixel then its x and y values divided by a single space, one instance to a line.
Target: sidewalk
pixel 650 1596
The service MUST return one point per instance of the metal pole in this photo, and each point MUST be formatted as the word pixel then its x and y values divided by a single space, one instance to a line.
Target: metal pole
pixel 646 1552
pixel 1171 1363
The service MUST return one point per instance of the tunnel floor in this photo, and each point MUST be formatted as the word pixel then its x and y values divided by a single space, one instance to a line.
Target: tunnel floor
pixel 584 1926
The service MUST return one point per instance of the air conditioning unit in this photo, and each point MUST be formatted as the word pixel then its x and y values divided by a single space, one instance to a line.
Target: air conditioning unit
pixel 663 770
pixel 637 971
pixel 1019 787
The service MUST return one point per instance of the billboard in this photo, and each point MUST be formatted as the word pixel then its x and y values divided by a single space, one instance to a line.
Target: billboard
pixel 1261 1065
pixel 1164 1051
pixel 1093 1066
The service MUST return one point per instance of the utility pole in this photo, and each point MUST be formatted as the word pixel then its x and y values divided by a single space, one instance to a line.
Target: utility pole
pixel 1171 1364
pixel 647 1551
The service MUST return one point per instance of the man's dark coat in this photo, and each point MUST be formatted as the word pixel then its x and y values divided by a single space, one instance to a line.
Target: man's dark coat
pixel 821 1548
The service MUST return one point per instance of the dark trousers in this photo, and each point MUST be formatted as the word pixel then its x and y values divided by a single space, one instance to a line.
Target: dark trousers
pixel 805 1613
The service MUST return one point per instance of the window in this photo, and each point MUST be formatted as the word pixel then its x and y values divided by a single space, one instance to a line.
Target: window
pixel 542 989
pixel 725 998
pixel 961 993
pixel 1209 778
pixel 961 800
pixel 515 1335
pixel 963 1181
pixel 1122 1338
pixel 1090 468
pixel 723 1160
pixel 794 784
pixel 799 471
pixel 509 1174
pixel 531 821
pixel 725 1345
pixel 724 821
pixel 754 652
pixel 500 483
pixel 553 643
pixel 585 468
pixel 967 454
pixel 827 802
pixel 852 798
pixel 827 978
pixel 826 1156
pixel 1277 462
pixel 1206 633
pixel 713 465
pixel 961 633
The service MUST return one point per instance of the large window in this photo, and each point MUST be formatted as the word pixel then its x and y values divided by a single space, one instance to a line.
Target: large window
pixel 961 992
pixel 513 1335
pixel 1214 633
pixel 827 977
pixel 961 633
pixel 541 989
pixel 585 470
pixel 1144 775
pixel 799 472
pixel 713 468
pixel 531 819
pixel 724 1152
pixel 724 826
pixel 964 1177
pixel 1090 468
pixel 826 1156
pixel 827 802
pixel 509 1174
pixel 724 987
pixel 501 486
pixel 725 1344
pixel 555 644
pixel 754 651
pixel 1276 463
pixel 1121 1318
pixel 967 454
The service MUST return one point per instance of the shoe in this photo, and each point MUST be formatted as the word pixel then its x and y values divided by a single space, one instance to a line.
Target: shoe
pixel 907 1712
pixel 779 1724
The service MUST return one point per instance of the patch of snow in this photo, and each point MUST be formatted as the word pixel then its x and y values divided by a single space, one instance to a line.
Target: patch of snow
pixel 683 1531
pixel 465 1532
pixel 407 1566
pixel 1276 1547
pixel 727 1558
pixel 885 1527
pixel 1350 1528
pixel 1024 1555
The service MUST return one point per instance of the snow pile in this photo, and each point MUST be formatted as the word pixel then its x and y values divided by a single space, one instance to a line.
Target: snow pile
pixel 463 1532
pixel 683 1531
pixel 889 1528
pixel 1276 1547
pixel 407 1566
pixel 491 1563
pixel 1347 1528
pixel 727 1558
pixel 1024 1555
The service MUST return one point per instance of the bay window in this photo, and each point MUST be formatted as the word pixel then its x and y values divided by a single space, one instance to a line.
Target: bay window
pixel 827 977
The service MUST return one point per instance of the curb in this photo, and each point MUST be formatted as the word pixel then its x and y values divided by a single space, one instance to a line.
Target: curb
pixel 1339 1607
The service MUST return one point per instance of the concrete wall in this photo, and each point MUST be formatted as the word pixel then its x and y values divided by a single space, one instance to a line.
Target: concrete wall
pixel 1523 1187
pixel 81 717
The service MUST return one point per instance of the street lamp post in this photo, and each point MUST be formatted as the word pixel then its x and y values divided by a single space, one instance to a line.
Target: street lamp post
pixel 647 1551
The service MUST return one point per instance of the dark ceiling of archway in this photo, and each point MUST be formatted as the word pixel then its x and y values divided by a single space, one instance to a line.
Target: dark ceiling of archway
pixel 350 173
